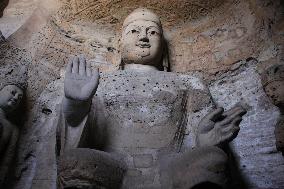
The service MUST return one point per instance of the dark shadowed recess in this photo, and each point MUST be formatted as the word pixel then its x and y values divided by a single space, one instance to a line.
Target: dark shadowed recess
pixel 3 5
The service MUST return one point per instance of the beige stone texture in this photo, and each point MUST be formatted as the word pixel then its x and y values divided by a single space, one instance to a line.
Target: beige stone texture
pixel 222 39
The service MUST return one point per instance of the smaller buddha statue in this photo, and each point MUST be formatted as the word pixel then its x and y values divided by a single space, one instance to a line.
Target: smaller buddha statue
pixel 273 84
pixel 11 103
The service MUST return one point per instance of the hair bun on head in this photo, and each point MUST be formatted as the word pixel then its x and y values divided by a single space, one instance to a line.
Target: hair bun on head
pixel 142 14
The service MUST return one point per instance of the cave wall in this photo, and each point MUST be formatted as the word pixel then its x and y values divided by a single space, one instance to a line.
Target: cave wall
pixel 230 42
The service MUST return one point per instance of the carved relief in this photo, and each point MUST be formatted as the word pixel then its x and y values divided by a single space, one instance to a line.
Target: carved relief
pixel 11 105
pixel 273 84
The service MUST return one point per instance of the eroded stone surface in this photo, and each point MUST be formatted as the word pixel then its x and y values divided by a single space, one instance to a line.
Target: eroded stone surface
pixel 15 14
pixel 94 169
pixel 254 148
pixel 213 43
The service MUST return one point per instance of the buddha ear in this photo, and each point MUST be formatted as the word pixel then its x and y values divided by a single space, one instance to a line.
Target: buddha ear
pixel 118 55
pixel 165 56
pixel 120 63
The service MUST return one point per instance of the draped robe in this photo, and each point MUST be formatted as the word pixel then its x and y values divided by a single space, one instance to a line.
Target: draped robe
pixel 149 121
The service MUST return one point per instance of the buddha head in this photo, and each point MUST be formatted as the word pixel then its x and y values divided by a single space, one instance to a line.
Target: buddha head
pixel 12 89
pixel 10 98
pixel 273 83
pixel 142 40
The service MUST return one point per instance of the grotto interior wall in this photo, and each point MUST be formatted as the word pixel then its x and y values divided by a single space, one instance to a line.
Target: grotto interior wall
pixel 229 43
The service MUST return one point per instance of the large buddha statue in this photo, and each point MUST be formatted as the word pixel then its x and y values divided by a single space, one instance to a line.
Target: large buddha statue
pixel 141 126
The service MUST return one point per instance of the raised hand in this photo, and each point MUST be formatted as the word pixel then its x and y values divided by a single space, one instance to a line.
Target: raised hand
pixel 218 127
pixel 81 81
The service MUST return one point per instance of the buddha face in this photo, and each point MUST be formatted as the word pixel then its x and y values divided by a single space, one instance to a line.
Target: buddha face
pixel 10 98
pixel 142 43
pixel 275 91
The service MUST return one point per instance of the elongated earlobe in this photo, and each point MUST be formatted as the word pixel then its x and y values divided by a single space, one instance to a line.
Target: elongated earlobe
pixel 165 56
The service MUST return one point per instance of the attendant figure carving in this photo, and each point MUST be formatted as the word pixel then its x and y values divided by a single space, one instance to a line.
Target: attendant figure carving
pixel 273 84
pixel 11 103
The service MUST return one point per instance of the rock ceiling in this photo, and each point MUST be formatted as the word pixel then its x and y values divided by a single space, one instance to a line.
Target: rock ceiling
pixel 114 11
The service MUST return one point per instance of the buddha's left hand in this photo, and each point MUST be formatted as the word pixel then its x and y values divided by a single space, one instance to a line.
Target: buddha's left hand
pixel 218 127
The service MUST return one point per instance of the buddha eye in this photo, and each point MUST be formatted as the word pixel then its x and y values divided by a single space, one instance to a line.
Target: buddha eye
pixel 13 92
pixel 134 31
pixel 153 32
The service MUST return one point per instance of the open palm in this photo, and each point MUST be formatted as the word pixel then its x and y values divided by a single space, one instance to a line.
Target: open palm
pixel 219 127
pixel 81 81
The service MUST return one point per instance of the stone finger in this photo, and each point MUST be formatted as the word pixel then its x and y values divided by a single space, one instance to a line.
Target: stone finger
pixel 88 69
pixel 237 120
pixel 95 74
pixel 230 128
pixel 230 118
pixel 69 65
pixel 227 137
pixel 230 111
pixel 216 114
pixel 95 71
pixel 75 67
pixel 82 65
pixel 233 110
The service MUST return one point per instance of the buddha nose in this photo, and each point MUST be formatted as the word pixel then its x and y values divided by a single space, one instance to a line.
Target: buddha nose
pixel 143 36
pixel 16 97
